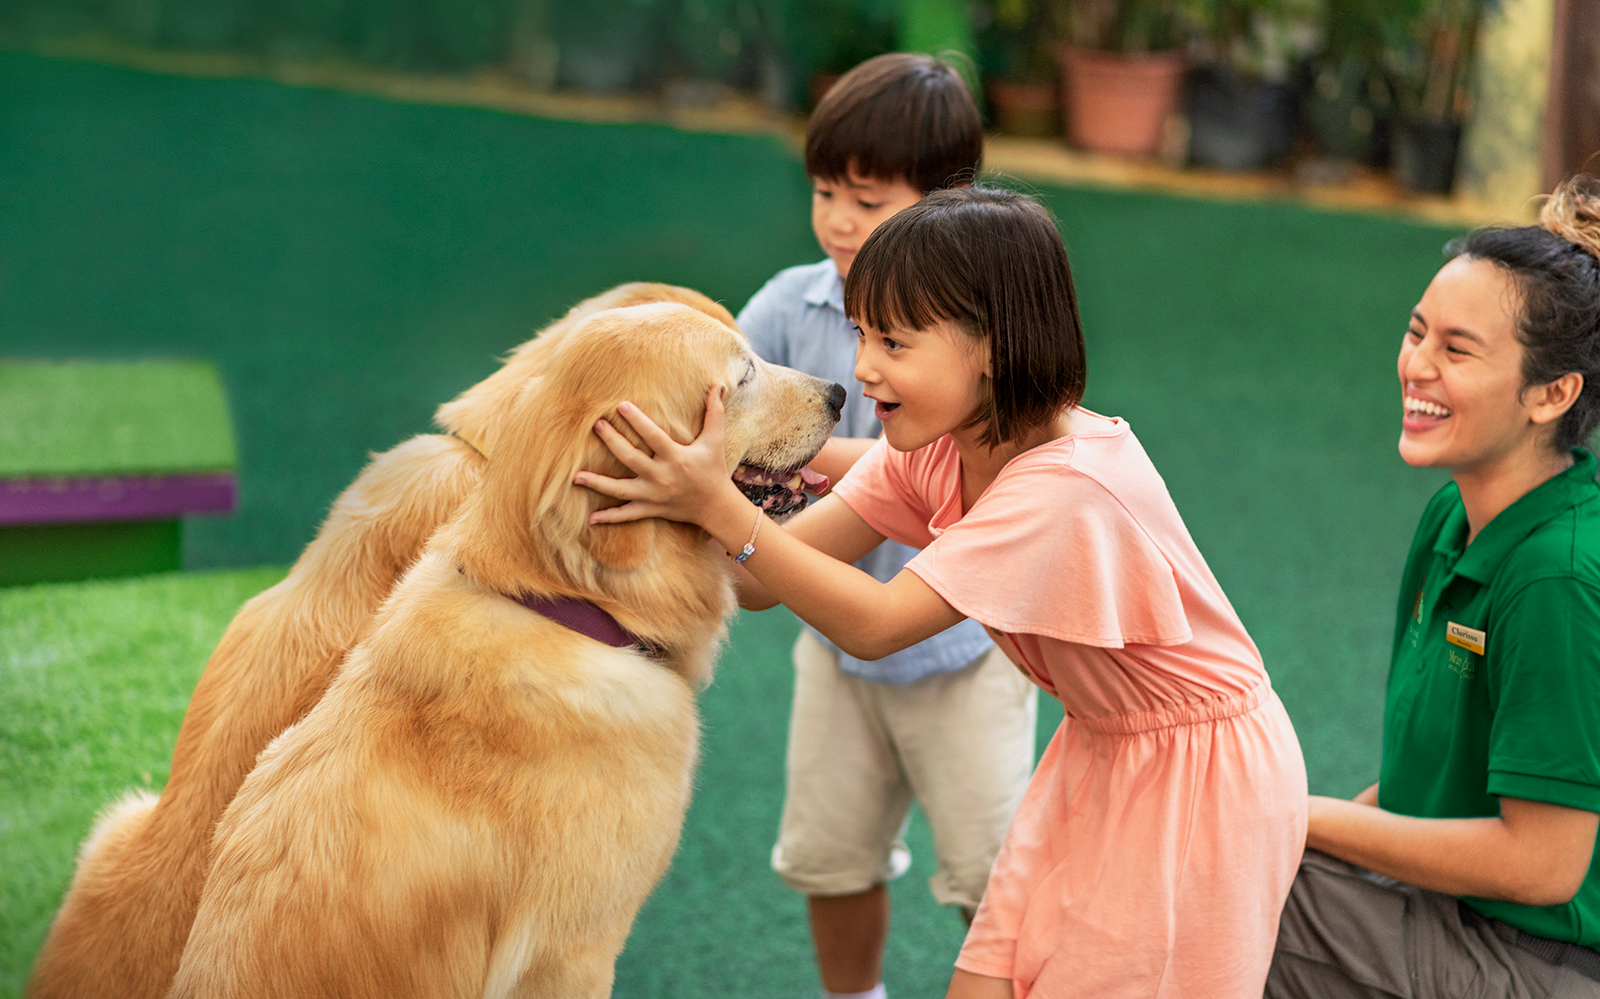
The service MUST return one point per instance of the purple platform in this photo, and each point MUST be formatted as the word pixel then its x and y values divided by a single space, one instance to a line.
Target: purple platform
pixel 115 498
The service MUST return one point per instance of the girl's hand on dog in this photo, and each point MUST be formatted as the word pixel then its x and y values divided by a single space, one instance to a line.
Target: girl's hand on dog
pixel 682 482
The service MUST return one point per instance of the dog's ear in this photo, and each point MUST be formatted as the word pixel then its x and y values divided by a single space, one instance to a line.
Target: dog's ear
pixel 616 546
pixel 621 546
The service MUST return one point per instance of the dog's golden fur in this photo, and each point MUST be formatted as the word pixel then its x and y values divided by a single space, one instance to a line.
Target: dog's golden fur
pixel 476 413
pixel 483 799
pixel 123 922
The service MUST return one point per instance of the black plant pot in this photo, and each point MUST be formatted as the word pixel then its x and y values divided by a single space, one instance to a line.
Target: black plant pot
pixel 1346 111
pixel 1236 124
pixel 1425 154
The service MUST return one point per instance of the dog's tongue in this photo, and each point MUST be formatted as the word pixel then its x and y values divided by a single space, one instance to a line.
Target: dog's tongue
pixel 778 493
pixel 811 481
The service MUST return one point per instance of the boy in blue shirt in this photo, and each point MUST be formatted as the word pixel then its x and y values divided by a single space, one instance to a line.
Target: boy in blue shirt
pixel 949 722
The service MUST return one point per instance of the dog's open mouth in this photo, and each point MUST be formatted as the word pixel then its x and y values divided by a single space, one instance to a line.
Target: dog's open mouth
pixel 779 493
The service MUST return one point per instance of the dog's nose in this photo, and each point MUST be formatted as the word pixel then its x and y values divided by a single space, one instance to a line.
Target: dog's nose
pixel 836 399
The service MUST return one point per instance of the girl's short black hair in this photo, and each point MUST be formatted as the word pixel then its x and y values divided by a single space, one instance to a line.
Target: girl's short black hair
pixel 1556 268
pixel 897 116
pixel 991 261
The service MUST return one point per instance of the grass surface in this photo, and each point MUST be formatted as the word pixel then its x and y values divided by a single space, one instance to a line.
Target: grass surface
pixel 348 264
pixel 99 418
pixel 96 679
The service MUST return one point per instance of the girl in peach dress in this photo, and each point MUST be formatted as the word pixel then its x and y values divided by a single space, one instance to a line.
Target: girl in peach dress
pixel 1158 838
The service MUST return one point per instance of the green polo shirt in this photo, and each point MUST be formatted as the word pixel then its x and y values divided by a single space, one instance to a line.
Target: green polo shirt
pixel 1494 684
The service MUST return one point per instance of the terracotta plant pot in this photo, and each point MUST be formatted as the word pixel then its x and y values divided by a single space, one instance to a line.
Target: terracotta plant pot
pixel 1118 102
pixel 1026 109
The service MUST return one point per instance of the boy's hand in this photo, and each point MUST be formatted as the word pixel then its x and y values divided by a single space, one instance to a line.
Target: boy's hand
pixel 682 482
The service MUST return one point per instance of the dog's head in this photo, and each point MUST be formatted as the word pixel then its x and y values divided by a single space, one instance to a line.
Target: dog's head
pixel 475 414
pixel 664 358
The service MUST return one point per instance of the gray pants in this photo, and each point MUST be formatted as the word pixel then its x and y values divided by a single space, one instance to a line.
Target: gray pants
pixel 1347 932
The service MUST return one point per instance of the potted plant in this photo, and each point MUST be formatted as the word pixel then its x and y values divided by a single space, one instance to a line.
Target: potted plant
pixel 1018 68
pixel 1241 101
pixel 1121 71
pixel 1347 101
pixel 1428 51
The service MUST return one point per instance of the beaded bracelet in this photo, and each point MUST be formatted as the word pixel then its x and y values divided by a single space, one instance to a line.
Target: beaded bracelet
pixel 749 548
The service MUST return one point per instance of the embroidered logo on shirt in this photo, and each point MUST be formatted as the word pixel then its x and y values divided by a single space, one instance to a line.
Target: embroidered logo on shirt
pixel 1470 639
pixel 1416 608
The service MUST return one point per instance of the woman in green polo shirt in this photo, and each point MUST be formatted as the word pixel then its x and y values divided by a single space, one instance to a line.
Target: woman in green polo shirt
pixel 1466 870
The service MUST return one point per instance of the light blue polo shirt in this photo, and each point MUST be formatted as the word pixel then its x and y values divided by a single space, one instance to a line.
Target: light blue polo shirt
pixel 797 319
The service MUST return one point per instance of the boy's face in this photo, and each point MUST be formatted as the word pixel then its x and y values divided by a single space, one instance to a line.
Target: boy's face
pixel 844 212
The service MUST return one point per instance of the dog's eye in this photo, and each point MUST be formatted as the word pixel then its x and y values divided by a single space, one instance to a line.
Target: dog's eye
pixel 749 373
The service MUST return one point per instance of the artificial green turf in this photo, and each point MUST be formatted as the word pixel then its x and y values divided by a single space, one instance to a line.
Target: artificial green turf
pixel 108 418
pixel 347 263
pixel 350 263
pixel 97 676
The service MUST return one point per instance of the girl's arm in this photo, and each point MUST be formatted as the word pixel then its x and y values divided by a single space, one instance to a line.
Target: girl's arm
pixel 829 526
pixel 689 483
pixel 968 985
pixel 1533 853
pixel 839 454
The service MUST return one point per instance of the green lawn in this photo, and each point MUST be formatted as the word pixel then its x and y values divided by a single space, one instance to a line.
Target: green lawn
pixel 96 679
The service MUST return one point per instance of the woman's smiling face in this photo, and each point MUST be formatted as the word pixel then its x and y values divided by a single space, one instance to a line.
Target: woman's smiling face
pixel 1461 372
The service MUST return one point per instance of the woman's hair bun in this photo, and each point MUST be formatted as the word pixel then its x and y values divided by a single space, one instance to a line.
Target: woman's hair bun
pixel 1573 212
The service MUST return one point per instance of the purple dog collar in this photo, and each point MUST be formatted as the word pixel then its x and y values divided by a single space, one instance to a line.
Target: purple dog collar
pixel 588 619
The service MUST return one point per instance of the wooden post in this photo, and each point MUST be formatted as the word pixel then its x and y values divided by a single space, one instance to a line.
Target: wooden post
pixel 1571 141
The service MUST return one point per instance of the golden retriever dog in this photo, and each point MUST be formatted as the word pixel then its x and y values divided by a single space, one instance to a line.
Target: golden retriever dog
pixel 484 797
pixel 123 922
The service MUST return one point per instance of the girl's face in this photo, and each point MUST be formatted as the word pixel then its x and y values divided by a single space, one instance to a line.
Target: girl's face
pixel 1461 373
pixel 926 383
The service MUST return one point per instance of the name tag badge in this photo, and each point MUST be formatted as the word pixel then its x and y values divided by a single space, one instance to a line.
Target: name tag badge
pixel 1470 639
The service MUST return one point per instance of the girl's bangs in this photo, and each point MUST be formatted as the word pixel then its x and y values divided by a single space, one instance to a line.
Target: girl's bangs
pixel 913 288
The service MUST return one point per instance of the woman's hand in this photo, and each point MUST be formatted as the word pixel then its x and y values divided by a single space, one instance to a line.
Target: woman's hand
pixel 681 482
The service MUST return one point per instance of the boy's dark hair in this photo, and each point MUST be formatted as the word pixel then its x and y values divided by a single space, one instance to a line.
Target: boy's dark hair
pixel 897 116
pixel 991 261
pixel 1556 268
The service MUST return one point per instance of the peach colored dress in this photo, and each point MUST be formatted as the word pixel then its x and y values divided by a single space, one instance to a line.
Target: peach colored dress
pixel 1156 843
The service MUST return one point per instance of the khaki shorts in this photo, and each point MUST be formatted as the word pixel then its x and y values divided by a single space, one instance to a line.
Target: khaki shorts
pixel 1348 933
pixel 960 743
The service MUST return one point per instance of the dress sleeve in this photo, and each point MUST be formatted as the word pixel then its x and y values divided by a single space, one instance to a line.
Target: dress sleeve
pixel 1544 744
pixel 765 323
pixel 889 490
pixel 1049 551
